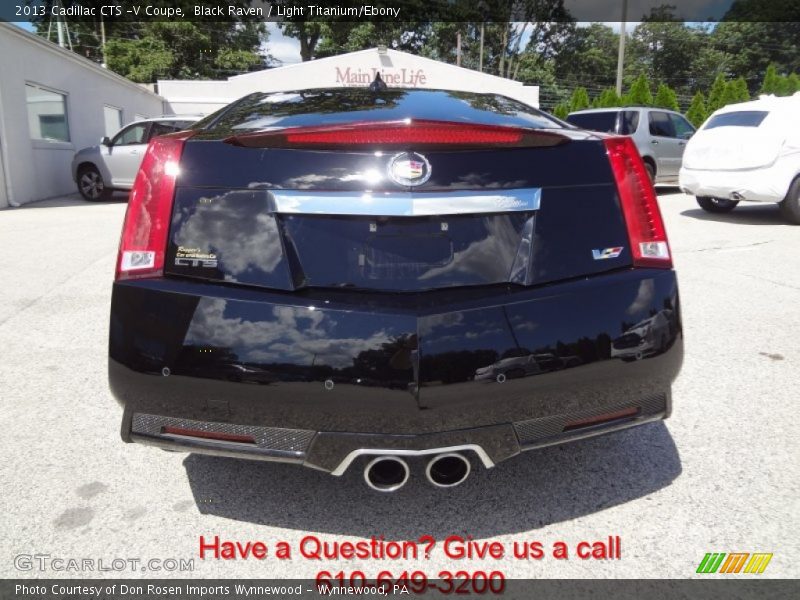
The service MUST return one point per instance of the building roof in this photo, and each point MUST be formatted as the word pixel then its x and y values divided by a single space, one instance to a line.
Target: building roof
pixel 388 53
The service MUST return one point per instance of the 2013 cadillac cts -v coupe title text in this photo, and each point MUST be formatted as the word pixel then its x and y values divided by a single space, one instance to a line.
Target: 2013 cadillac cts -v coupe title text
pixel 390 280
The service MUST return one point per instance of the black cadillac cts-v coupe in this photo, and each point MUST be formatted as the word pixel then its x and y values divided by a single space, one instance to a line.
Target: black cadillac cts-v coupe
pixel 390 280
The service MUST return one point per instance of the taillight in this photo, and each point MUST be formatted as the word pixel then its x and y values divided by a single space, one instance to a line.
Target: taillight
pixel 422 134
pixel 599 419
pixel 646 230
pixel 209 435
pixel 146 227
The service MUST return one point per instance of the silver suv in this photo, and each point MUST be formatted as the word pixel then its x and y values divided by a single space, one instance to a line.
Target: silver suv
pixel 660 135
pixel 113 164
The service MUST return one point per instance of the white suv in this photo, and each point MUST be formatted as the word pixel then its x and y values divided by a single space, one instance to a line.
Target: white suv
pixel 747 152
pixel 113 164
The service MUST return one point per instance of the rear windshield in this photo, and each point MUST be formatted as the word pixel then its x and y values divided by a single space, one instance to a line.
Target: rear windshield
pixel 346 105
pixel 743 118
pixel 599 121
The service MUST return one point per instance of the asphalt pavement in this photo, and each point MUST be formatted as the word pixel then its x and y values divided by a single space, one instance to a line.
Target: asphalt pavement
pixel 721 475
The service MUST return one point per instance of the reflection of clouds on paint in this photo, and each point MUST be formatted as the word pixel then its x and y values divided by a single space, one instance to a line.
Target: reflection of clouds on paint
pixel 472 181
pixel 427 325
pixel 521 323
pixel 254 185
pixel 482 257
pixel 311 180
pixel 476 335
pixel 644 297
pixel 240 233
pixel 292 335
pixel 281 97
pixel 262 122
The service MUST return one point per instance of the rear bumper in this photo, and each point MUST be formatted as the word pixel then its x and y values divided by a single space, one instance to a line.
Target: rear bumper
pixel 769 184
pixel 322 378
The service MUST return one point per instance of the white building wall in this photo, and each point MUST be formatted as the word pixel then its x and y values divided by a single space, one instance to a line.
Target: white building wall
pixel 398 69
pixel 37 169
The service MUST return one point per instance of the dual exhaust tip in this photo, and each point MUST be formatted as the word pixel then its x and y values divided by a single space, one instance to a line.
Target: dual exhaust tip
pixel 390 473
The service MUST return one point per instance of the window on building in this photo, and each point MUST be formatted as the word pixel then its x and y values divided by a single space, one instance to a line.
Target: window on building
pixel 112 119
pixel 47 113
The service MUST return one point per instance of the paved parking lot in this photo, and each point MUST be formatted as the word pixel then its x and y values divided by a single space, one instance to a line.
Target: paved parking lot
pixel 722 475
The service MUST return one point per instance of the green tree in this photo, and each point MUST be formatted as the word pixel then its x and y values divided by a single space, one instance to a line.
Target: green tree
pixel 740 90
pixel 608 98
pixel 144 60
pixel 146 50
pixel 588 54
pixel 753 46
pixel 561 110
pixel 639 93
pixel 663 47
pixel 579 99
pixel 666 97
pixel 735 92
pixel 792 84
pixel 715 93
pixel 697 113
pixel 772 81
pixel 306 32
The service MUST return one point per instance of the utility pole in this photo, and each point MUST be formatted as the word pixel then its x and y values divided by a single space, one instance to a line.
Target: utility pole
pixel 480 61
pixel 458 49
pixel 61 27
pixel 103 40
pixel 621 55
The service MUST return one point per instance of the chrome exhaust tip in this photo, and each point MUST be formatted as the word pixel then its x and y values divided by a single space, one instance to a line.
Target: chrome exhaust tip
pixel 386 473
pixel 448 470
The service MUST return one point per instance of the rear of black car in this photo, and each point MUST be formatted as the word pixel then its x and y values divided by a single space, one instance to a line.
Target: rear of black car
pixel 332 276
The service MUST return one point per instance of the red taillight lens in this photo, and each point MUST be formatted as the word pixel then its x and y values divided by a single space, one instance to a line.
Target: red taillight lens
pixel 422 134
pixel 146 227
pixel 209 435
pixel 646 230
pixel 599 419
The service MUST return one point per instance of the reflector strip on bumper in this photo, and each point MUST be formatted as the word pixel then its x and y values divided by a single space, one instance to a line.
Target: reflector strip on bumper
pixel 405 204
pixel 265 438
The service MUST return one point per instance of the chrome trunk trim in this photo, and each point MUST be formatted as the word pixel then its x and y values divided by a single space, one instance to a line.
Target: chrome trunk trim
pixel 405 204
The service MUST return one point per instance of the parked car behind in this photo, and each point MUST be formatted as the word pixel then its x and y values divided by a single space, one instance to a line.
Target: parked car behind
pixel 113 164
pixel 645 338
pixel 353 250
pixel 747 152
pixel 660 135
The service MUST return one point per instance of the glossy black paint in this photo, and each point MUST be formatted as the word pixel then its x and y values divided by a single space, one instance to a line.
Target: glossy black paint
pixel 393 332
pixel 404 364
pixel 214 164
pixel 314 107
pixel 252 246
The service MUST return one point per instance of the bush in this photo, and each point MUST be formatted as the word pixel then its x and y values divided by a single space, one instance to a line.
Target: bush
pixel 561 111
pixel 697 113
pixel 639 93
pixel 608 98
pixel 715 94
pixel 579 100
pixel 666 98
